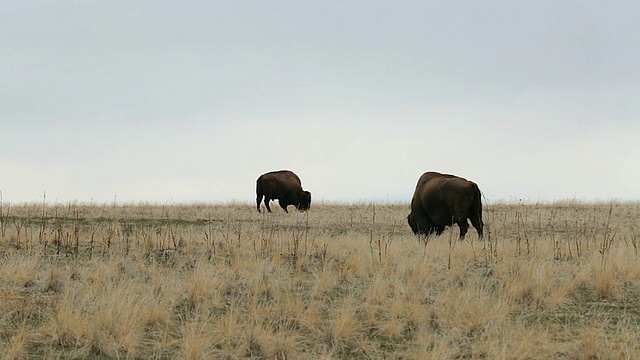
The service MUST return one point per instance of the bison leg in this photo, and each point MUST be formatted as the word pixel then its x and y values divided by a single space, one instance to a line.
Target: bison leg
pixel 283 205
pixel 464 227
pixel 266 203
pixel 258 201
pixel 476 221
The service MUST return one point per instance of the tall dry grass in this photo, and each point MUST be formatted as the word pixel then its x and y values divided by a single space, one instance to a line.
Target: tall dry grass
pixel 559 280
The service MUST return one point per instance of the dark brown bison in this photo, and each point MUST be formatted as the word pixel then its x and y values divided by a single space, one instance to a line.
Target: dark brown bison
pixel 441 200
pixel 285 186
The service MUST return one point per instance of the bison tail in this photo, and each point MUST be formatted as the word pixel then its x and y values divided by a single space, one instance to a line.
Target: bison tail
pixel 259 193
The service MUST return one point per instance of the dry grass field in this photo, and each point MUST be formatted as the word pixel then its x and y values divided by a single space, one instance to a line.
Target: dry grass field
pixel 550 281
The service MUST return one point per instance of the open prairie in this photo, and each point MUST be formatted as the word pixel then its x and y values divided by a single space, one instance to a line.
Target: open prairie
pixel 549 281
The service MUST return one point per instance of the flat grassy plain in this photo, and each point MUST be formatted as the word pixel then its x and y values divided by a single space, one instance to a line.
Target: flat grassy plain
pixel 342 281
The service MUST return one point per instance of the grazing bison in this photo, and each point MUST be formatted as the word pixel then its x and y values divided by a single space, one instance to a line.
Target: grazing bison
pixel 441 200
pixel 285 186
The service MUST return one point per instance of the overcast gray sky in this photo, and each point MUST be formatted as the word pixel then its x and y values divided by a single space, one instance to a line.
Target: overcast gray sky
pixel 168 101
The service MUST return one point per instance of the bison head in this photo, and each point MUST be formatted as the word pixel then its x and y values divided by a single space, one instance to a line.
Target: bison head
pixel 304 202
pixel 412 224
pixel 422 226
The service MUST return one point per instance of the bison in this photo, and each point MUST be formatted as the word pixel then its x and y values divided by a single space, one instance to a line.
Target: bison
pixel 441 200
pixel 285 186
